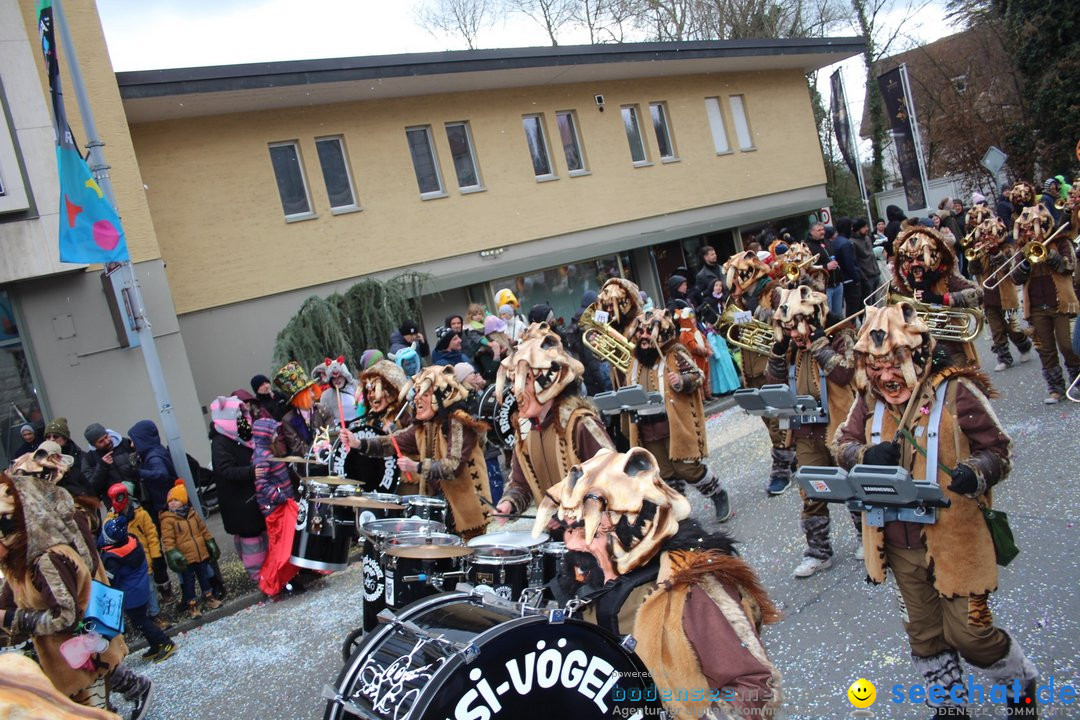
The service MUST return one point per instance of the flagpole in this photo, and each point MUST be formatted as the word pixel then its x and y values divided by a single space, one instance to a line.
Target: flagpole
pixel 855 150
pixel 916 136
pixel 100 170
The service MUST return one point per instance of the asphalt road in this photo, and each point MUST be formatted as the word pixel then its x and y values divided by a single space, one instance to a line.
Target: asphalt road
pixel 271 660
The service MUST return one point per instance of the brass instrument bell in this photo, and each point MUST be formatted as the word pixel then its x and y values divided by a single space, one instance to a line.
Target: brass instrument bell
pixel 605 341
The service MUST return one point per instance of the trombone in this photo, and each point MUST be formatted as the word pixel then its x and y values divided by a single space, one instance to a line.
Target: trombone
pixel 1033 252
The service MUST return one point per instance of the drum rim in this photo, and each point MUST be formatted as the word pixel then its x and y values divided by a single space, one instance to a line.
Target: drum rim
pixel 422 500
pixel 377 496
pixel 523 556
pixel 364 529
pixel 537 542
pixel 427 536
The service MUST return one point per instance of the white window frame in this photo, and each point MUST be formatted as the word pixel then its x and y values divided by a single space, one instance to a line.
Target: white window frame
pixel 479 186
pixel 430 194
pixel 13 195
pixel 542 125
pixel 294 217
pixel 665 124
pixel 339 209
pixel 743 132
pixel 635 113
pixel 578 146
pixel 714 110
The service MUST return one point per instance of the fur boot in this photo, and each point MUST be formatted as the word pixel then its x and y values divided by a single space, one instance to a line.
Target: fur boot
pixel 816 530
pixel 783 464
pixel 943 669
pixel 1014 670
pixel 1001 352
pixel 708 484
pixel 1055 382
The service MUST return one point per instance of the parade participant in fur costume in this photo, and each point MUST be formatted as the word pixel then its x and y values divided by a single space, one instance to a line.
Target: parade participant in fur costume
pixel 1001 304
pixel 381 386
pixel 924 269
pixel 342 392
pixel 305 417
pixel 442 449
pixel 675 436
pixel 750 287
pixel 645 569
pixel 1049 297
pixel 811 363
pixel 946 570
pixel 799 255
pixel 563 428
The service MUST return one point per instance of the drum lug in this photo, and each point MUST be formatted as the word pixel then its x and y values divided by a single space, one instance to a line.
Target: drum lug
pixel 629 642
pixel 329 693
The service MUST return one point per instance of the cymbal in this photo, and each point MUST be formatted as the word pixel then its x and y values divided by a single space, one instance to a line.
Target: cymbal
pixel 428 552
pixel 329 480
pixel 295 459
pixel 358 502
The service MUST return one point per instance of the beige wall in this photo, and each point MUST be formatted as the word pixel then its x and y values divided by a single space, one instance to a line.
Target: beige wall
pixel 220 223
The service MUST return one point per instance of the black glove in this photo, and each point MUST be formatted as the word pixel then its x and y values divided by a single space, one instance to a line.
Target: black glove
pixel 932 298
pixel 964 481
pixel 885 453
pixel 780 348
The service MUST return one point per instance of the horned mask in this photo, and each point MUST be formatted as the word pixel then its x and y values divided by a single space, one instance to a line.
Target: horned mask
pixel 1022 195
pixel 976 216
pixel 894 338
pixel 656 330
pixel 742 270
pixel 623 492
pixel 539 355
pixel 799 309
pixel 382 382
pixel 1033 225
pixel 439 380
pixel 621 300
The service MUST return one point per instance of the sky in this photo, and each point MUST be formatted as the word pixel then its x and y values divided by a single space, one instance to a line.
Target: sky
pixel 153 34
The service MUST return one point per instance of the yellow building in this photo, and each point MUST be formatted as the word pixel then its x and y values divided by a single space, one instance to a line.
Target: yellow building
pixel 246 189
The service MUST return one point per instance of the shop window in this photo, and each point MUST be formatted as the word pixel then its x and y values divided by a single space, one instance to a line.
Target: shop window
pixel 335 170
pixel 17 386
pixel 291 183
pixel 425 162
pixel 571 142
pixel 662 127
pixel 461 151
pixel 633 135
pixel 536 139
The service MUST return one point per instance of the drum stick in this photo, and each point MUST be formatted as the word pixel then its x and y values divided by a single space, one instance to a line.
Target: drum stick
pixel 340 409
pixel 397 449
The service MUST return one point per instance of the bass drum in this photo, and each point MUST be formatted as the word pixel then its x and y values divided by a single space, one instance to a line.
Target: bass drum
pixel 498 415
pixel 456 656
pixel 374 474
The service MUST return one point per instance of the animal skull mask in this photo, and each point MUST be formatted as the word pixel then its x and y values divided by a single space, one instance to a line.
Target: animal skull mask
pixel 922 254
pixel 621 300
pixel 991 233
pixel 382 383
pixel 1022 195
pixel 622 492
pixel 439 380
pixel 892 351
pixel 742 270
pixel 656 330
pixel 976 216
pixel 541 357
pixel 1033 225
pixel 798 310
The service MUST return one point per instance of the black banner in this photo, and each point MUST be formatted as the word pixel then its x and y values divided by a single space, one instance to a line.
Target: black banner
pixel 903 136
pixel 841 123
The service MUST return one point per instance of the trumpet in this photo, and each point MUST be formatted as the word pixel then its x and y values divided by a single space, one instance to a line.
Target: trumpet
pixel 1033 252
pixel 951 324
pixel 605 341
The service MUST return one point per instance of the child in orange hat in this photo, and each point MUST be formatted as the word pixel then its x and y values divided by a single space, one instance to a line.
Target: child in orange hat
pixel 189 548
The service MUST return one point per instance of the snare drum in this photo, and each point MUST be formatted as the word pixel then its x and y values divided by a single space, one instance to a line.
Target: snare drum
pixel 500 570
pixel 417 565
pixel 375 534
pixel 460 655
pixel 522 539
pixel 422 506
pixel 552 556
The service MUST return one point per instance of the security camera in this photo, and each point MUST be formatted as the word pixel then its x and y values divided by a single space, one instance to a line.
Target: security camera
pixel 599 102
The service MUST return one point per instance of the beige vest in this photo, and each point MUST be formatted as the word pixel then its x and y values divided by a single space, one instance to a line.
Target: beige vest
pixel 464 490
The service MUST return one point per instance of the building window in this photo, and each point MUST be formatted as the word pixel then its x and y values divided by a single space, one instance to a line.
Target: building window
pixel 716 125
pixel 461 150
pixel 335 170
pixel 663 131
pixel 633 135
pixel 292 186
pixel 571 142
pixel 538 147
pixel 425 163
pixel 742 125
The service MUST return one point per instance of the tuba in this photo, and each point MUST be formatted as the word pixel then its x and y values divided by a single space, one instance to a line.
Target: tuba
pixel 605 341
pixel 961 325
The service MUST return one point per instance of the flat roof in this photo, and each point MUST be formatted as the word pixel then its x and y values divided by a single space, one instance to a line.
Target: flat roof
pixel 151 95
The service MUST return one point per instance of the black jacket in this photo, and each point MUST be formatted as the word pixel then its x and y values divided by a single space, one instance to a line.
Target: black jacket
pixel 100 475
pixel 235 478
pixel 895 217
pixel 707 275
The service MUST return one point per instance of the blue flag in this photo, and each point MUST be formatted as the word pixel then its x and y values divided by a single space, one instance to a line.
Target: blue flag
pixel 90 230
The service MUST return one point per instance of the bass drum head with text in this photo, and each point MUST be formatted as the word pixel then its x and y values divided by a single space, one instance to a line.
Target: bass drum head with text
pixel 499 415
pixel 374 474
pixel 525 668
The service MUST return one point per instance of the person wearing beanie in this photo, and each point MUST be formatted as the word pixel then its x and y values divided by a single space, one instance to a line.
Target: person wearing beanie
pixel 466 375
pixel 189 549
pixel 1050 195
pixel 125 564
pixel 977 198
pixel 676 287
pixel 276 500
pixel 30 440
pixel 270 404
pixel 869 272
pixel 515 324
pixel 73 481
pixel 107 462
pixel 142 527
pixel 851 279
pixel 497 344
pixel 542 313
pixel 156 469
pixel 407 334
pixel 448 349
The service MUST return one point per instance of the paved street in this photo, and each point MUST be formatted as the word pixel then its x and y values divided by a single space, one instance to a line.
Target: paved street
pixel 271 660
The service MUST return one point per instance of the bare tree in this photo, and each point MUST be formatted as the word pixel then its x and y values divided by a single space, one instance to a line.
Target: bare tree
pixel 462 18
pixel 607 20
pixel 737 19
pixel 552 15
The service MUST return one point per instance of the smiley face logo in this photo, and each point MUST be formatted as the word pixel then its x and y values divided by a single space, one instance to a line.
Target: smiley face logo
pixel 862 693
